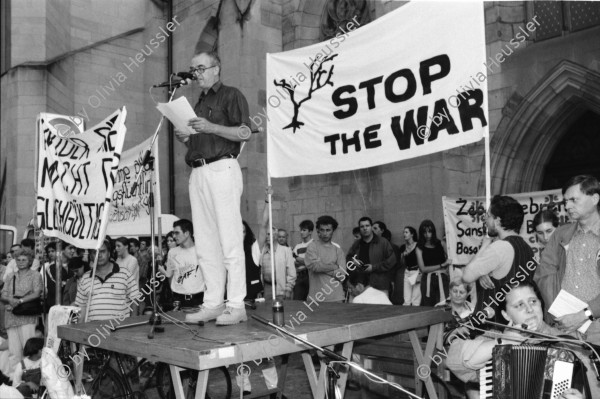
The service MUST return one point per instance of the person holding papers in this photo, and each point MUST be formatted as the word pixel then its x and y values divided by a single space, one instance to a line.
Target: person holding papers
pixel 571 262
pixel 216 186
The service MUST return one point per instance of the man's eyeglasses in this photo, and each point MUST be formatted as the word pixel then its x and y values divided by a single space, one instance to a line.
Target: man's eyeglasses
pixel 199 70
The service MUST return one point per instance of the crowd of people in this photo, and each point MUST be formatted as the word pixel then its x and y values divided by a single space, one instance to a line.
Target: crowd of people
pixel 316 264
pixel 516 288
pixel 214 265
pixel 373 270
pixel 416 273
pixel 29 282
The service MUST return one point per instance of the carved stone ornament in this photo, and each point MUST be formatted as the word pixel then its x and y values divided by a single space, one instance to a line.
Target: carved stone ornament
pixel 338 13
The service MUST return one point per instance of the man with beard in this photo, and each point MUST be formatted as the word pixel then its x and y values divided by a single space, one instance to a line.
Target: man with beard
pixel 504 259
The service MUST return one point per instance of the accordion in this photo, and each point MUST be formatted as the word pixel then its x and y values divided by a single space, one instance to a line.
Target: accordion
pixel 527 372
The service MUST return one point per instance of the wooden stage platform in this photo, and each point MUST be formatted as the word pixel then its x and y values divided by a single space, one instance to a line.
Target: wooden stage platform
pixel 324 324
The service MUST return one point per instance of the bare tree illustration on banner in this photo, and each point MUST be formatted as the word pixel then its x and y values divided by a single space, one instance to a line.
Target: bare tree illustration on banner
pixel 319 78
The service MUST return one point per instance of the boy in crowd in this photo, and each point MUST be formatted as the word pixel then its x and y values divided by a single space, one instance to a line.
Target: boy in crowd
pixel 301 287
pixel 77 266
pixel 326 263
pixel 187 281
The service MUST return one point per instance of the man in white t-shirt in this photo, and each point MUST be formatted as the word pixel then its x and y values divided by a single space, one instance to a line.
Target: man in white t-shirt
pixel 187 281
pixel 125 260
pixel 358 285
pixel 301 287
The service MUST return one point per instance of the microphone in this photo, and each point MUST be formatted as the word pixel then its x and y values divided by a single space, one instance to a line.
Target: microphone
pixel 184 80
pixel 474 320
pixel 489 313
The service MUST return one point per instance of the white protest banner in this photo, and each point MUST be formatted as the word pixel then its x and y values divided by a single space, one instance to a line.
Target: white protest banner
pixel 410 83
pixel 130 209
pixel 464 221
pixel 75 178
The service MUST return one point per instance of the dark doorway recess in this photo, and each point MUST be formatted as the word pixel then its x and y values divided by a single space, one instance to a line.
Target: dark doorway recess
pixel 577 153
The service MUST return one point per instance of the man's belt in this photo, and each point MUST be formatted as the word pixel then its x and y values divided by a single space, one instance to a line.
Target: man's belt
pixel 197 163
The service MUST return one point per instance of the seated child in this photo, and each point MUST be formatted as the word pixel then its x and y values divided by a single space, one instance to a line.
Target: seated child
pixel 28 373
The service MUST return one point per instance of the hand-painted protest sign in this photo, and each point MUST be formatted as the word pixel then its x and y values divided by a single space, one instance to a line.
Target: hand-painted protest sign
pixel 464 221
pixel 400 87
pixel 128 205
pixel 66 126
pixel 75 177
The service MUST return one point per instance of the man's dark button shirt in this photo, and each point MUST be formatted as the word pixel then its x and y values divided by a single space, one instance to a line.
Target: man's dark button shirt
pixel 222 105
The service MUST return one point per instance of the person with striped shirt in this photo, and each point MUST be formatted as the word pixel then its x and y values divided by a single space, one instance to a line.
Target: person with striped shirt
pixel 116 291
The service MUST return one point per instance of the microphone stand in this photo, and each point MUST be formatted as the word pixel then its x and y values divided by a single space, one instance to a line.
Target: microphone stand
pixel 155 320
pixel 331 359
pixel 148 152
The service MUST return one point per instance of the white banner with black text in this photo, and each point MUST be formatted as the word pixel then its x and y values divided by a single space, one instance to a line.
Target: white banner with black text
pixel 75 178
pixel 411 83
pixel 130 205
pixel 464 221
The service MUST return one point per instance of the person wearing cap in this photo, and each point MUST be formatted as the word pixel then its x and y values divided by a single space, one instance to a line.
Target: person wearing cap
pixel 77 267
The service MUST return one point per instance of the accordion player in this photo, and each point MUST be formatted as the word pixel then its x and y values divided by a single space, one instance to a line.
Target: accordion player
pixel 527 372
pixel 467 357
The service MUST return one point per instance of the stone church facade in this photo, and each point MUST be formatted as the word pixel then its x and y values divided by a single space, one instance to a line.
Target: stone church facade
pixel 89 57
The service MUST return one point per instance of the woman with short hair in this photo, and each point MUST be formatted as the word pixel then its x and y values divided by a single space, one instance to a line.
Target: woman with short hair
pixel 523 307
pixel 23 286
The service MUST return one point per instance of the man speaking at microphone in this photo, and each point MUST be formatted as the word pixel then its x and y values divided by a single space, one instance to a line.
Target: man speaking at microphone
pixel 215 186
